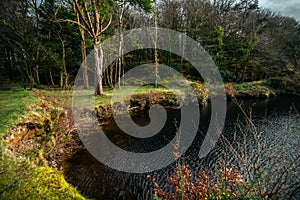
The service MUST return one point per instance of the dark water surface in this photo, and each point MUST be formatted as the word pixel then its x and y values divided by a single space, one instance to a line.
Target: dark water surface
pixel 277 116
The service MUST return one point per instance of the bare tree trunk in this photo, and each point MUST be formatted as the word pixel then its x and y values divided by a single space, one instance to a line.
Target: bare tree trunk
pixel 106 81
pixel 36 71
pixel 123 69
pixel 83 47
pixel 120 59
pixel 61 82
pixel 121 42
pixel 30 76
pixel 108 74
pixel 155 47
pixel 98 56
pixel 31 79
pixel 111 76
pixel 83 59
pixel 182 55
pixel 51 77
pixel 116 72
pixel 64 77
pixel 84 65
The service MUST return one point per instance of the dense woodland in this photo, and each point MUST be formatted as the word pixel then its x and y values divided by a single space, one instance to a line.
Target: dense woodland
pixel 44 42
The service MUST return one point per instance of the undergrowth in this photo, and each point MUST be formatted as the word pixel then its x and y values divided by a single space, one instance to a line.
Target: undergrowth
pixel 222 182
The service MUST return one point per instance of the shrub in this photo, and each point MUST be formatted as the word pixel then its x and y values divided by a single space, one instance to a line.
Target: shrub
pixel 224 183
pixel 264 156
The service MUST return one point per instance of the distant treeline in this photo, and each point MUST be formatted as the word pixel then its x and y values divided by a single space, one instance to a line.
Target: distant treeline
pixel 45 41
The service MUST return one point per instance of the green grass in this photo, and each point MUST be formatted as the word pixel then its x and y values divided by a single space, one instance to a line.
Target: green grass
pixel 117 95
pixel 108 93
pixel 20 178
pixel 13 107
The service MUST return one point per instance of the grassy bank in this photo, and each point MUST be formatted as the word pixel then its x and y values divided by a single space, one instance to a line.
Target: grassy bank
pixel 21 178
pixel 257 89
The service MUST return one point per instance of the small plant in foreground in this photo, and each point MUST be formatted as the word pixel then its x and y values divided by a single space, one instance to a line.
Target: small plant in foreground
pixel 224 183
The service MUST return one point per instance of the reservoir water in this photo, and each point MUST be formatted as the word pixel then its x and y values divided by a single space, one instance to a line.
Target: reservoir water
pixel 277 126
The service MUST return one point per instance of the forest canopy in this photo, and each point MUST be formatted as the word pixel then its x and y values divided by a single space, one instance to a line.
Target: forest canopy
pixel 44 42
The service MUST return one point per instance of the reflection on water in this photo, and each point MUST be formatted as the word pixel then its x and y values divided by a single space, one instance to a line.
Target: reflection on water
pixel 275 117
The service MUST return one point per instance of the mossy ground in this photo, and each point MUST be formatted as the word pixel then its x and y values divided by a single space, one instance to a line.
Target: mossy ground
pixel 21 178
pixel 257 89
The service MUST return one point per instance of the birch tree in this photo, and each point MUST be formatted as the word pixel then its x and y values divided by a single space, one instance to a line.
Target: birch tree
pixel 94 17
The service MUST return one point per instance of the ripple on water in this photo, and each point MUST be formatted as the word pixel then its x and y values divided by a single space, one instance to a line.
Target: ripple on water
pixel 273 118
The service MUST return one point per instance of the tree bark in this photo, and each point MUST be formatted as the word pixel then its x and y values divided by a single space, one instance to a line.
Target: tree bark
pixel 98 58
pixel 83 57
pixel 121 42
pixel 156 60
pixel 37 76
pixel 51 77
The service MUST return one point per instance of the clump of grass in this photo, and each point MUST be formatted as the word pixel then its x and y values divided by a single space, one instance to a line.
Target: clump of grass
pixel 253 89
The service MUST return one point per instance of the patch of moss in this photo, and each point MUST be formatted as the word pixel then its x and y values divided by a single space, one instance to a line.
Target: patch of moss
pixel 21 180
pixel 258 89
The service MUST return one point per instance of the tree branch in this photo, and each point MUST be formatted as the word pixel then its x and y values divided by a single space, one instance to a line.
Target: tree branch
pixel 71 21
pixel 106 27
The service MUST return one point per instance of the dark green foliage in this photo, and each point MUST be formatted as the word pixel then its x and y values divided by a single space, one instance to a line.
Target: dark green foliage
pixel 228 76
pixel 241 38
pixel 146 5
pixel 218 34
